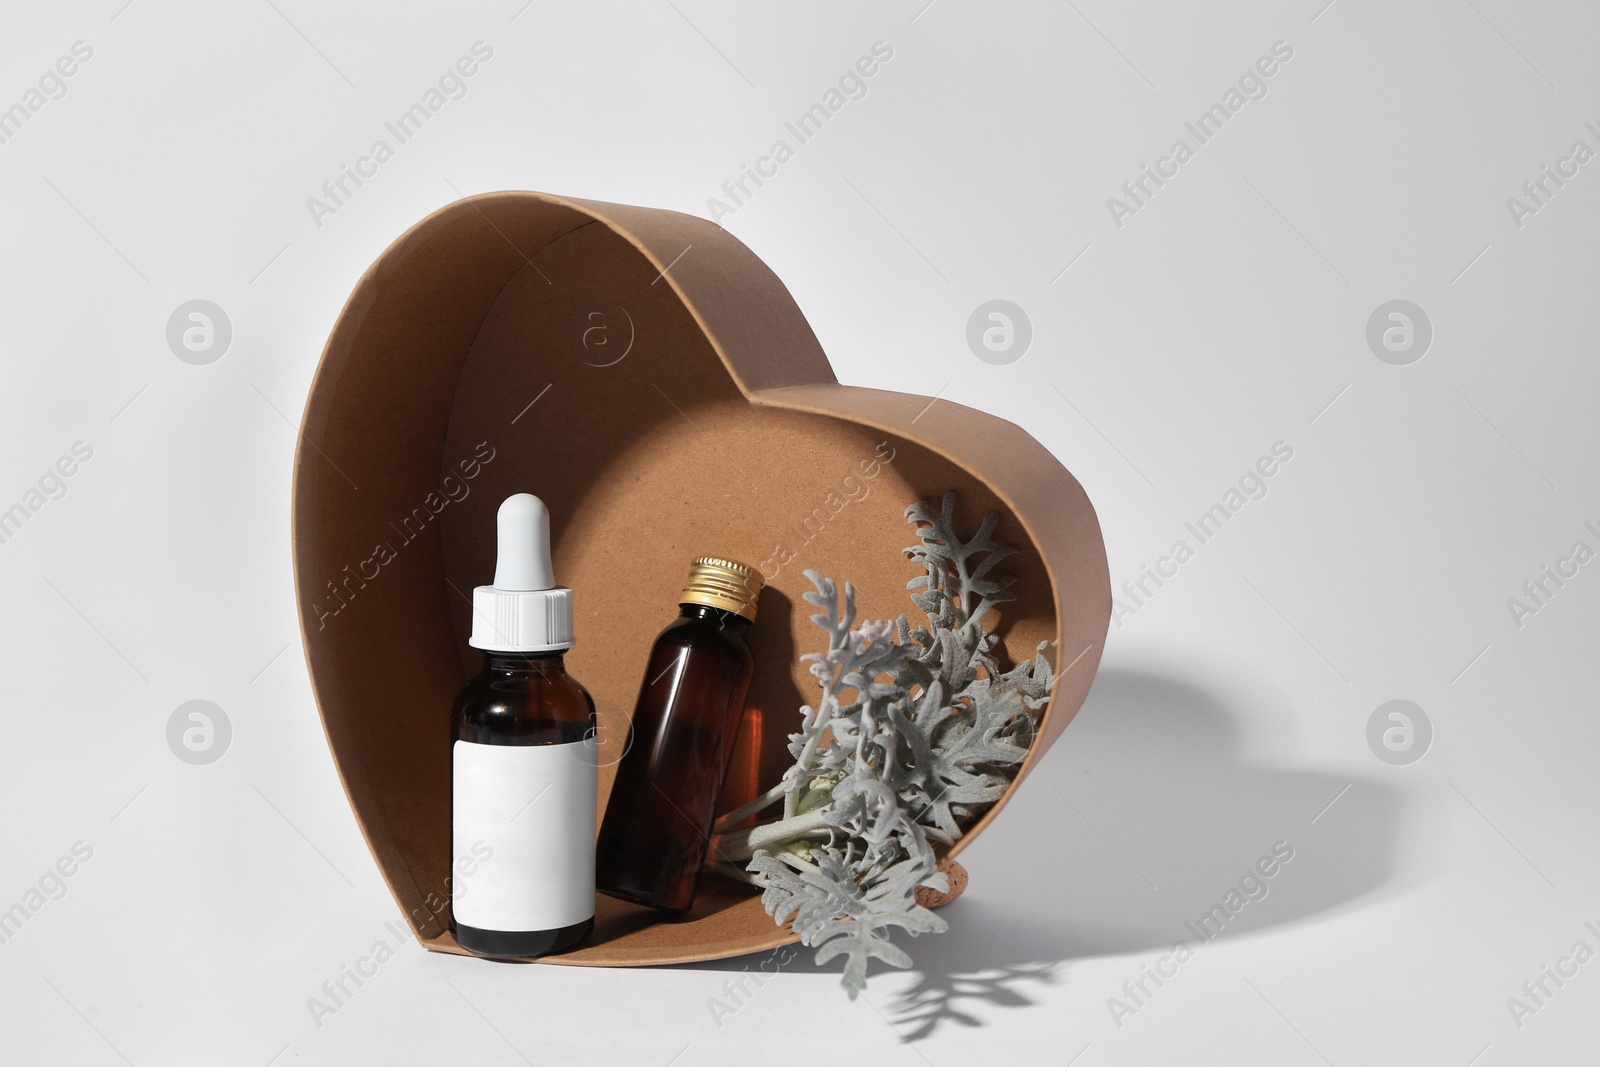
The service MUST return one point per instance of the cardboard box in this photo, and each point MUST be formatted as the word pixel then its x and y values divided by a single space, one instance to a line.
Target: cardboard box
pixel 648 377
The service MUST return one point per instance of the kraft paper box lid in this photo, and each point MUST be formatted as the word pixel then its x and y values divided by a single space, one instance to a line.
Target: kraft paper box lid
pixel 656 385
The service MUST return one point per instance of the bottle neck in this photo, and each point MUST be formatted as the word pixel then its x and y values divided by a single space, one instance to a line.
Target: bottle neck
pixel 525 662
pixel 727 620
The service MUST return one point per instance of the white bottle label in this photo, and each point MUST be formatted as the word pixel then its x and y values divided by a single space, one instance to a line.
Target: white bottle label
pixel 523 825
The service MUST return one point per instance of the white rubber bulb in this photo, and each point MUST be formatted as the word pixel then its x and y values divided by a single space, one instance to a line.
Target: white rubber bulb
pixel 523 552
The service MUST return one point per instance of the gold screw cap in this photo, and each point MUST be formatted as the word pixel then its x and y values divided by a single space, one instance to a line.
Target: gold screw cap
pixel 719 582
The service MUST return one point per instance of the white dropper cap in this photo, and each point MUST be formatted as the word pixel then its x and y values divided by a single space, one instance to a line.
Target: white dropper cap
pixel 524 610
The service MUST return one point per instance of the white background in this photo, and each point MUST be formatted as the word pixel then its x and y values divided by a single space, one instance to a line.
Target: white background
pixel 1168 354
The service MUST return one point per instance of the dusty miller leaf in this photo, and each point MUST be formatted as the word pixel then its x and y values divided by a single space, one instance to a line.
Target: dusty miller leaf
pixel 915 731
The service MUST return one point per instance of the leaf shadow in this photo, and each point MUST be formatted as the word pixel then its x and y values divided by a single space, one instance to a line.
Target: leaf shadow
pixel 1146 816
pixel 937 996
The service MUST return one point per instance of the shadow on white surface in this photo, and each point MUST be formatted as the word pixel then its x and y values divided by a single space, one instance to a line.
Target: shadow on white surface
pixel 1137 827
pixel 1163 817
pixel 1124 841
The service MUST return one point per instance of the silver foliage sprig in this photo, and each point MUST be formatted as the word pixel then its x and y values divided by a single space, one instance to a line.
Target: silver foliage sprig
pixel 916 730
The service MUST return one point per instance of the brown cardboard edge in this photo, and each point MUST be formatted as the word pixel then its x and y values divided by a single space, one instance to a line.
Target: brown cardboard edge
pixel 843 401
pixel 782 935
pixel 346 759
pixel 313 417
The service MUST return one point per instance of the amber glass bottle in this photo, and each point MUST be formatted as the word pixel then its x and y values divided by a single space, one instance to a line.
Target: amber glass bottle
pixel 522 760
pixel 657 824
pixel 528 699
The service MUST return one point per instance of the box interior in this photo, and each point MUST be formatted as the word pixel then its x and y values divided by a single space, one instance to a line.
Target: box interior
pixel 517 343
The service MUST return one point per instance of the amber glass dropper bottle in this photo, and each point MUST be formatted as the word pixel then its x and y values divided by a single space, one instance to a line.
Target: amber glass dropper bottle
pixel 522 873
pixel 657 824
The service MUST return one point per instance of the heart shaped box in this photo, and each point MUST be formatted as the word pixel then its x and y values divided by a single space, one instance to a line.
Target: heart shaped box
pixel 650 378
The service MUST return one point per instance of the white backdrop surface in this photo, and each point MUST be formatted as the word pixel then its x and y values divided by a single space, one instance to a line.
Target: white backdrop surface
pixel 1404 551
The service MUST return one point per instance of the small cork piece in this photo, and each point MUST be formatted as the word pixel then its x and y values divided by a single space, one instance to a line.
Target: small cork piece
pixel 932 898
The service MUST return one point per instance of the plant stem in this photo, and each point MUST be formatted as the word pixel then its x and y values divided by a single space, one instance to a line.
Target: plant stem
pixel 736 872
pixel 795 861
pixel 740 814
pixel 791 800
pixel 741 844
